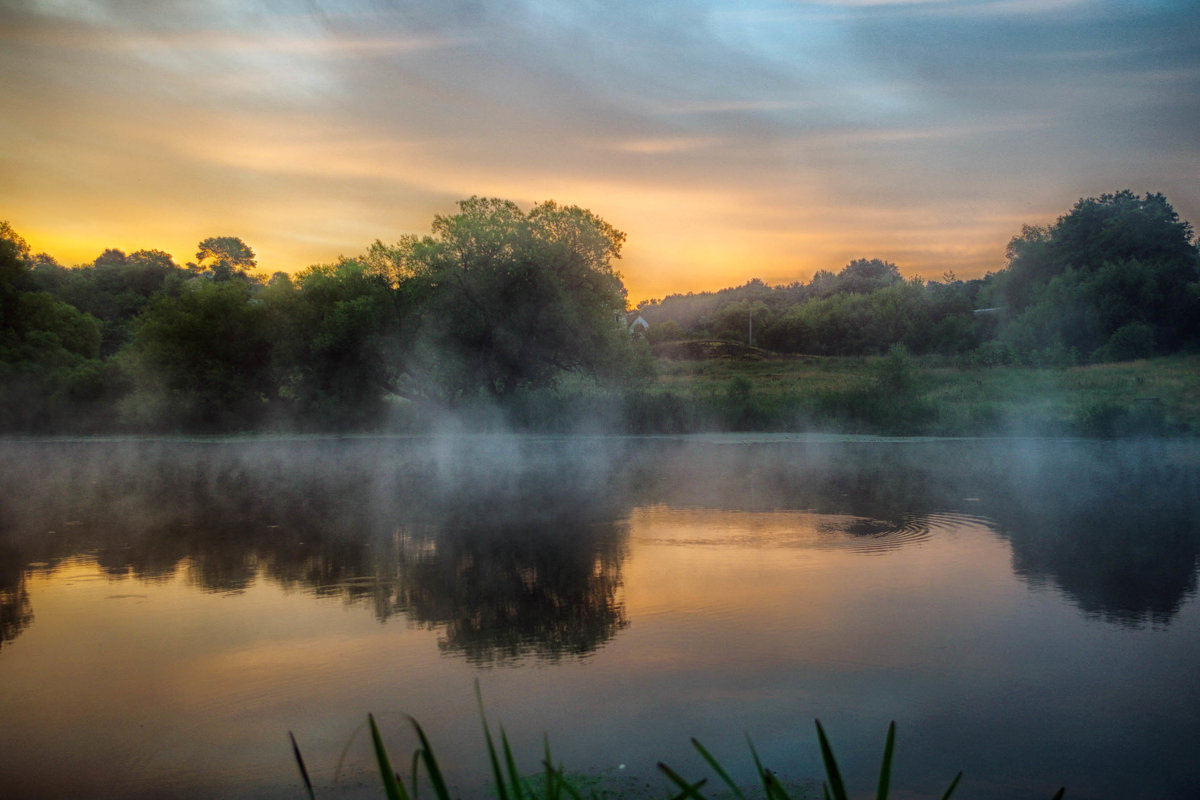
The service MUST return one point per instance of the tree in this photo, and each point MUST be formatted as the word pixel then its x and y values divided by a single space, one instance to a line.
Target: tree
pixel 225 256
pixel 862 276
pixel 336 330
pixel 201 360
pixel 496 300
pixel 1112 261
pixel 48 349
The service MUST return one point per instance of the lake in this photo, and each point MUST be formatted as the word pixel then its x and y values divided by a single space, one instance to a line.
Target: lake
pixel 1025 610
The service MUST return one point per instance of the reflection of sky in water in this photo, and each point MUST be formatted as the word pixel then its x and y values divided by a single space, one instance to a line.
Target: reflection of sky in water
pixel 179 668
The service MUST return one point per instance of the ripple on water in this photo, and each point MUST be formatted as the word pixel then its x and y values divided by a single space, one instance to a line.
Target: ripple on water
pixel 864 534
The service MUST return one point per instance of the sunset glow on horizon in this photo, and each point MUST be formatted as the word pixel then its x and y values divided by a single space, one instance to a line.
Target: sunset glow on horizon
pixel 729 140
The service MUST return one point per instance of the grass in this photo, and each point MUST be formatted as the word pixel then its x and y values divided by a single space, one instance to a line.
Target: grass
pixel 905 395
pixel 553 783
pixel 894 394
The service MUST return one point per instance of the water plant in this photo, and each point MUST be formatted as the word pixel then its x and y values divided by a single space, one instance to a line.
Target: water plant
pixel 553 783
pixel 834 787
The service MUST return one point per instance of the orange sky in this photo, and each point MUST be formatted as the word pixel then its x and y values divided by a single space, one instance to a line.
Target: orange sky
pixel 729 140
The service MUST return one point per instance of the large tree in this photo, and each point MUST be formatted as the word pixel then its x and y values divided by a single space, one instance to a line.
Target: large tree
pixel 336 331
pixel 497 299
pixel 48 349
pixel 1119 265
pixel 225 256
pixel 201 360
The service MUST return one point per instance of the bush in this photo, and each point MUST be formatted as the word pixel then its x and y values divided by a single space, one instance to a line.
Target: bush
pixel 1128 343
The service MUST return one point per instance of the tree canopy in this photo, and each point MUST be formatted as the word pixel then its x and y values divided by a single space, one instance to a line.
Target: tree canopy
pixel 496 299
pixel 224 256
pixel 1115 264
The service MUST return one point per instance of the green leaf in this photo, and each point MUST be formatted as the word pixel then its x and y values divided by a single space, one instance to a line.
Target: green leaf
pixel 300 763
pixel 885 771
pixel 691 790
pixel 514 774
pixel 836 786
pixel 712 762
pixel 393 787
pixel 771 786
pixel 431 766
pixel 497 773
pixel 953 786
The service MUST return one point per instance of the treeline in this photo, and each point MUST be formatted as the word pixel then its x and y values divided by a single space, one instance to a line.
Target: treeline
pixel 493 302
pixel 1116 278
pixel 496 304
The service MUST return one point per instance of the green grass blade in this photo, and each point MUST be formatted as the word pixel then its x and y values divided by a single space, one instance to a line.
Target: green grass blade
pixel 775 790
pixel 392 787
pixel 712 762
pixel 836 786
pixel 1059 794
pixel 551 790
pixel 510 763
pixel 414 771
pixel 691 790
pixel 497 773
pixel 762 773
pixel 556 779
pixel 440 789
pixel 885 771
pixel 771 787
pixel 300 763
pixel 953 786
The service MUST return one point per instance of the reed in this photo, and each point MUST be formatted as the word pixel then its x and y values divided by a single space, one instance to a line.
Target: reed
pixel 553 783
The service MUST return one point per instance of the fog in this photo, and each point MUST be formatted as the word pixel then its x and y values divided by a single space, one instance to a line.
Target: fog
pixel 510 531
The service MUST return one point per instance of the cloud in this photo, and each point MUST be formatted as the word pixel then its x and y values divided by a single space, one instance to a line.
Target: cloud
pixel 728 138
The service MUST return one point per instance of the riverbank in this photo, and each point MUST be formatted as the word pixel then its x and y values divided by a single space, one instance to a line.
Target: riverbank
pixel 895 394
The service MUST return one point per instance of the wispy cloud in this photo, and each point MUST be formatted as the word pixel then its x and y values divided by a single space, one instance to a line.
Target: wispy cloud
pixel 728 138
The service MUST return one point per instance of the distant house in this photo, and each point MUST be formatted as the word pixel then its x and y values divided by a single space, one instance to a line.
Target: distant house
pixel 636 324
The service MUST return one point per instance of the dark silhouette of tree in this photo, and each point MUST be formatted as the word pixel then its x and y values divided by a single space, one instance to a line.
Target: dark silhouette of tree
pixel 225 256
pixel 16 612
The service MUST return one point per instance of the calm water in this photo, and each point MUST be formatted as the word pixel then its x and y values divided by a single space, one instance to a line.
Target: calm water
pixel 1025 610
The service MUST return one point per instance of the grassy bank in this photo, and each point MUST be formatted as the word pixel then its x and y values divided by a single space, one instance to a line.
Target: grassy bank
pixel 897 394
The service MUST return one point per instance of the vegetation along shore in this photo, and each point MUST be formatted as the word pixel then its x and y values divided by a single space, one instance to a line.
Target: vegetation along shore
pixel 513 318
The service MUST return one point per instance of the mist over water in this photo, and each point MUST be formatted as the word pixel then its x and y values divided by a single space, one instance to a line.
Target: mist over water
pixel 656 587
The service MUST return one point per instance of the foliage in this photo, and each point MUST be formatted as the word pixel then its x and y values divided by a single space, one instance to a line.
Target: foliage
pixel 49 350
pixel 224 257
pixel 856 323
pixel 1111 262
pixel 334 329
pixel 200 361
pixel 500 312
pixel 497 300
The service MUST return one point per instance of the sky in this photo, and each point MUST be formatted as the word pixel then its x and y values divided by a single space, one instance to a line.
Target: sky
pixel 729 139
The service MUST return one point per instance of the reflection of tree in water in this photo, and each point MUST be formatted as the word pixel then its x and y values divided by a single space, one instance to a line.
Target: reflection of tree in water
pixel 511 559
pixel 1114 525
pixel 517 550
pixel 1117 529
pixel 548 588
pixel 16 612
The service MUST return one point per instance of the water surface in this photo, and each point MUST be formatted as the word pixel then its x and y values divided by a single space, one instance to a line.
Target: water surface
pixel 1025 610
